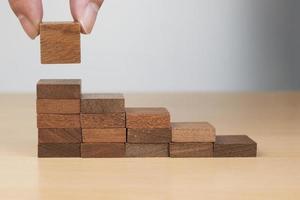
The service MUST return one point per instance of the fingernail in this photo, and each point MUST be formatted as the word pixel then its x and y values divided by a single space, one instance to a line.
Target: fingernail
pixel 28 26
pixel 89 17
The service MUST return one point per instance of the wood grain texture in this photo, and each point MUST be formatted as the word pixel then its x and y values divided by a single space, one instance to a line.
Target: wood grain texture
pixel 184 150
pixel 58 106
pixel 151 136
pixel 102 150
pixel 105 120
pixel 234 146
pixel 58 150
pixel 108 135
pixel 58 121
pixel 60 43
pixel 147 150
pixel 56 135
pixel 102 103
pixel 147 118
pixel 193 132
pixel 59 89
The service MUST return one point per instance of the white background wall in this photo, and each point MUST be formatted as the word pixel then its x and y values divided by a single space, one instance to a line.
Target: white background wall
pixel 166 45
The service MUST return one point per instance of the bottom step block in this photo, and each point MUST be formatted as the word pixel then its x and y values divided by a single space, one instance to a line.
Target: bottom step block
pixel 147 150
pixel 102 150
pixel 184 150
pixel 234 146
pixel 58 150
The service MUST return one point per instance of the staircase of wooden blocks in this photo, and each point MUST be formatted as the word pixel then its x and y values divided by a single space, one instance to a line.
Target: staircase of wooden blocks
pixel 71 124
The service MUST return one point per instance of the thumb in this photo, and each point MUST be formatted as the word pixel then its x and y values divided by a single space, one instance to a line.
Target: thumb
pixel 85 12
pixel 30 14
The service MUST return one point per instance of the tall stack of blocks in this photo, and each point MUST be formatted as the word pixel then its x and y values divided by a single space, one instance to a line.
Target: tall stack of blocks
pixel 71 124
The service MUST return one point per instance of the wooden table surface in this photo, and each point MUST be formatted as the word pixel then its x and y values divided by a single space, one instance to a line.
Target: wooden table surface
pixel 271 119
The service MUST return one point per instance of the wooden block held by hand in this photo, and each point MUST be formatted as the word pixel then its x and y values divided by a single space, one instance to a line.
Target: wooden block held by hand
pixel 102 150
pixel 147 150
pixel 107 135
pixel 60 42
pixel 59 135
pixel 58 150
pixel 58 106
pixel 58 121
pixel 184 150
pixel 152 136
pixel 105 120
pixel 234 146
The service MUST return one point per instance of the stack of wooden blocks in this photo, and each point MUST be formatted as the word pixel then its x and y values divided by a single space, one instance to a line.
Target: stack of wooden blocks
pixel 99 126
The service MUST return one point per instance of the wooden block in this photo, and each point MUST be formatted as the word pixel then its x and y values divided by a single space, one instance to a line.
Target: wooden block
pixel 147 150
pixel 102 150
pixel 58 121
pixel 56 135
pixel 102 103
pixel 193 132
pixel 234 146
pixel 147 118
pixel 105 120
pixel 183 150
pixel 59 89
pixel 58 150
pixel 152 136
pixel 58 106
pixel 60 42
pixel 110 135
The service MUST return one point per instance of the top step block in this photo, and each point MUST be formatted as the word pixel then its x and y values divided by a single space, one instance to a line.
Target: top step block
pixel 102 103
pixel 59 89
pixel 147 118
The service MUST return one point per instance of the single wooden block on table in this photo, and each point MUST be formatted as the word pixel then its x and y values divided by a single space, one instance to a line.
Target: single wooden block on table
pixel 102 103
pixel 147 118
pixel 147 150
pixel 151 136
pixel 60 42
pixel 56 135
pixel 59 89
pixel 234 146
pixel 107 135
pixel 58 121
pixel 102 150
pixel 104 120
pixel 58 150
pixel 58 106
pixel 184 150
pixel 193 132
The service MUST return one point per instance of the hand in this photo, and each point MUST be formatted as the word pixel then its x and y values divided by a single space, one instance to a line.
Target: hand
pixel 30 14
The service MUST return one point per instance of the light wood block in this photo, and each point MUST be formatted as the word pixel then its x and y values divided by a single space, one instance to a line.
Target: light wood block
pixel 105 120
pixel 58 150
pixel 60 42
pixel 58 121
pixel 58 106
pixel 59 89
pixel 108 135
pixel 102 103
pixel 182 150
pixel 55 135
pixel 193 132
pixel 102 150
pixel 234 146
pixel 151 136
pixel 147 118
pixel 147 150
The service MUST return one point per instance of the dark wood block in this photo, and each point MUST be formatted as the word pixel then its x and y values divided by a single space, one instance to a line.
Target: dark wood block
pixel 152 136
pixel 60 42
pixel 102 103
pixel 110 135
pixel 56 135
pixel 147 118
pixel 102 150
pixel 182 150
pixel 58 106
pixel 193 132
pixel 105 120
pixel 58 150
pixel 58 121
pixel 147 150
pixel 234 146
pixel 59 89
